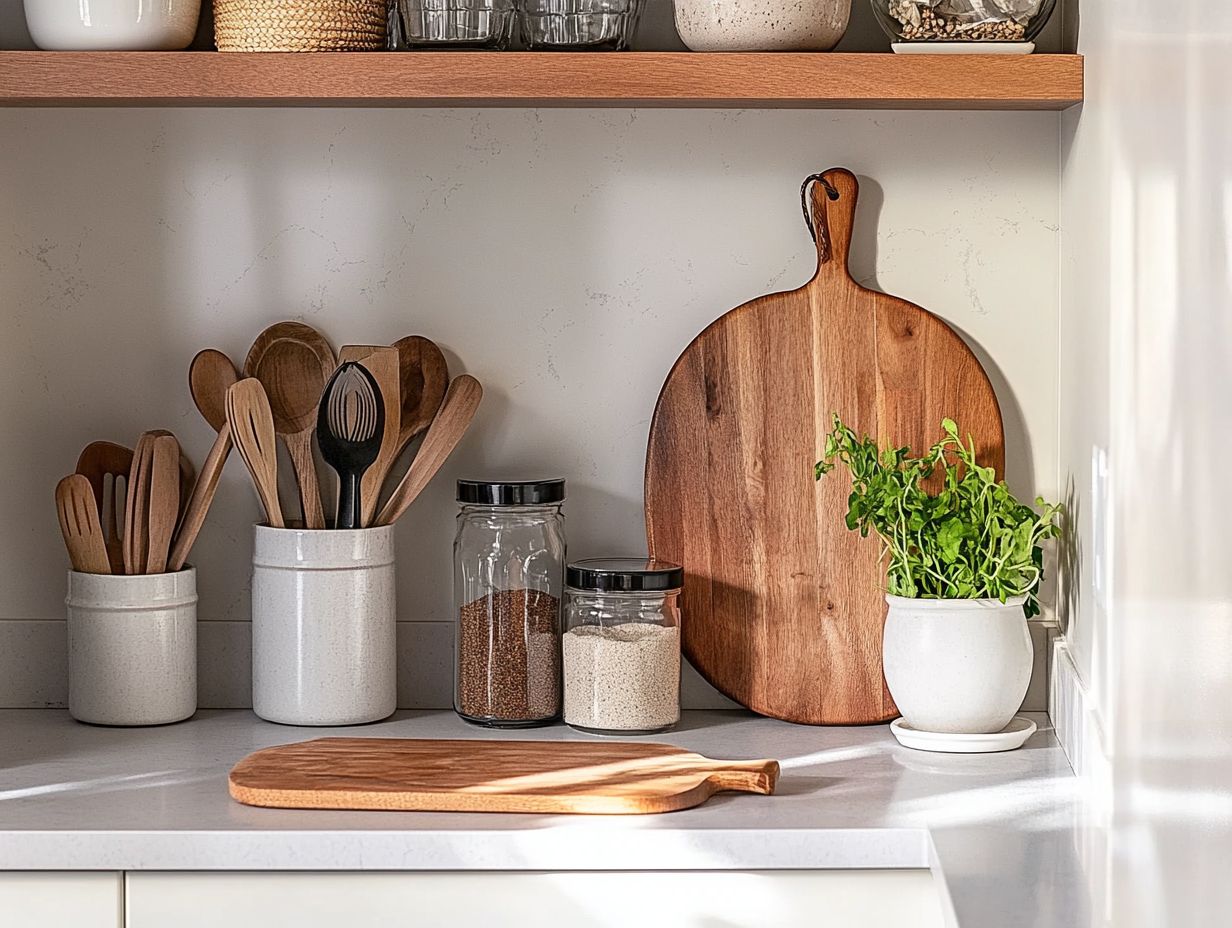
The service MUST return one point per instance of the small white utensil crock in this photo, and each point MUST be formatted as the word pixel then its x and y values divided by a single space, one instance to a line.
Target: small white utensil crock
pixel 959 666
pixel 761 25
pixel 324 650
pixel 132 647
pixel 112 25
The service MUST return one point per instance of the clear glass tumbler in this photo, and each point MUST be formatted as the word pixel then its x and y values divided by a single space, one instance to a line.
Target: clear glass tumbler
pixel 579 25
pixel 452 24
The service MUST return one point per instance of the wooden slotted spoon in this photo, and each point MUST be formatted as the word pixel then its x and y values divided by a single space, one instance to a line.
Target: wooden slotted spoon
pixel 99 461
pixel 79 523
pixel 252 430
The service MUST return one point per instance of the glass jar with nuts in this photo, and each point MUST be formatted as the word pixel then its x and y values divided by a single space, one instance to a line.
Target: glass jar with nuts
pixel 1009 25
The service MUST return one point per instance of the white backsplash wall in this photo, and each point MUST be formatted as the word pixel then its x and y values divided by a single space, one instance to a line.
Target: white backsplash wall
pixel 565 258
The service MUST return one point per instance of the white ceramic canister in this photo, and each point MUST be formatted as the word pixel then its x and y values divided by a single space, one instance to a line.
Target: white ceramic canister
pixel 959 666
pixel 112 25
pixel 761 25
pixel 324 648
pixel 132 647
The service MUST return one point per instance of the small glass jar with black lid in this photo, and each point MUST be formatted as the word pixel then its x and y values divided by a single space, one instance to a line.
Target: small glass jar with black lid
pixel 509 563
pixel 622 645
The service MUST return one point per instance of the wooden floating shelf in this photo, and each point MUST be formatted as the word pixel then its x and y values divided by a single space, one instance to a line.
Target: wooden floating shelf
pixel 666 79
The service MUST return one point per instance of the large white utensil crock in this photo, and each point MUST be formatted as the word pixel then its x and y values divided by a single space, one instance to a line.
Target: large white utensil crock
pixel 323 625
pixel 112 25
pixel 959 666
pixel 132 647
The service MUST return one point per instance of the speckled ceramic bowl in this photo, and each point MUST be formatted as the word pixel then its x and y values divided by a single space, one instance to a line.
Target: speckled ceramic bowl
pixel 761 25
pixel 112 25
pixel 132 647
pixel 324 650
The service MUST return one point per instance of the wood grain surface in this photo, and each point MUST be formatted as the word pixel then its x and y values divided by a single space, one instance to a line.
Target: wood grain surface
pixel 776 79
pixel 490 776
pixel 783 607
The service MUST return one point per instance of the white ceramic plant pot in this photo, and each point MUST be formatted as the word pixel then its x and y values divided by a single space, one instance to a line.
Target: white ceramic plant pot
pixel 323 625
pixel 112 25
pixel 959 666
pixel 761 25
pixel 132 647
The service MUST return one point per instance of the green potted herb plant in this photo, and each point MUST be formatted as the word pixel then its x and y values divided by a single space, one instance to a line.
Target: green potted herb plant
pixel 963 568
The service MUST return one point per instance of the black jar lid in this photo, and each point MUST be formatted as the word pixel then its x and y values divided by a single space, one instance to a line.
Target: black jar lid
pixel 511 492
pixel 624 575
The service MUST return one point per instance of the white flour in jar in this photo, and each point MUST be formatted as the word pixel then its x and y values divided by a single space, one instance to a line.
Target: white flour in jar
pixel 622 677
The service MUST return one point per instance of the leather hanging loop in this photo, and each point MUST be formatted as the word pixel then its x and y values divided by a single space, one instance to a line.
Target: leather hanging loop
pixel 818 230
pixel 829 200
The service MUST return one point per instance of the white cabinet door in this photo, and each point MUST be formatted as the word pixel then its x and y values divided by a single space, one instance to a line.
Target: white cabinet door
pixel 61 900
pixel 764 899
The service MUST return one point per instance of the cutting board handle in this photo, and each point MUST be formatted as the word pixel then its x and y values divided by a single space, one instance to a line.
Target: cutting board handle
pixel 829 203
pixel 750 776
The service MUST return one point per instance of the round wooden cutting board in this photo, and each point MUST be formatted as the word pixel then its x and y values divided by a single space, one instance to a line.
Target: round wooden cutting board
pixel 783 606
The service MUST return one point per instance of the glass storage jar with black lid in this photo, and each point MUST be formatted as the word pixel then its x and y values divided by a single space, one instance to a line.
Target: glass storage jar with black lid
pixel 509 562
pixel 622 645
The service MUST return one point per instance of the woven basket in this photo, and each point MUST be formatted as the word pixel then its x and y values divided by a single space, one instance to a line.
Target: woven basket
pixel 299 25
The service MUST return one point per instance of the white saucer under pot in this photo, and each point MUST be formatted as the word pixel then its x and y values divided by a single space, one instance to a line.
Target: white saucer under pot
pixel 962 48
pixel 1011 737
pixel 957 665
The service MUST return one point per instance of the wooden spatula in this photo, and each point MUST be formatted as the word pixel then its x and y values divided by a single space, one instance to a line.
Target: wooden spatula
pixel 447 429
pixel 106 466
pixel 209 378
pixel 137 506
pixel 79 523
pixel 252 430
pixel 383 364
pixel 164 502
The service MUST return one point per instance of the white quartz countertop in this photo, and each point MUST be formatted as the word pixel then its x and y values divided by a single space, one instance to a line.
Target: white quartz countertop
pixel 1002 831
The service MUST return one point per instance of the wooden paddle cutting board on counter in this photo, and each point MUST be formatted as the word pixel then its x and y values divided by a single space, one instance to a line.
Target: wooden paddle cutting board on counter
pixel 394 774
pixel 783 607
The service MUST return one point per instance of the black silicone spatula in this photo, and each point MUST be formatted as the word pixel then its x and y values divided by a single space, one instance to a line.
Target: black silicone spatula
pixel 350 425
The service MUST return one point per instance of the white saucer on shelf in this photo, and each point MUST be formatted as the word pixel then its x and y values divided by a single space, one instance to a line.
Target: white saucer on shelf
pixel 1012 736
pixel 963 48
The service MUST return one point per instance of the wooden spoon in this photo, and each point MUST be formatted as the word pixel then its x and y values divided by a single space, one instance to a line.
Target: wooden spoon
pixel 98 461
pixel 382 364
pixel 447 429
pixel 252 430
pixel 209 378
pixel 164 502
pixel 80 525
pixel 423 378
pixel 293 361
